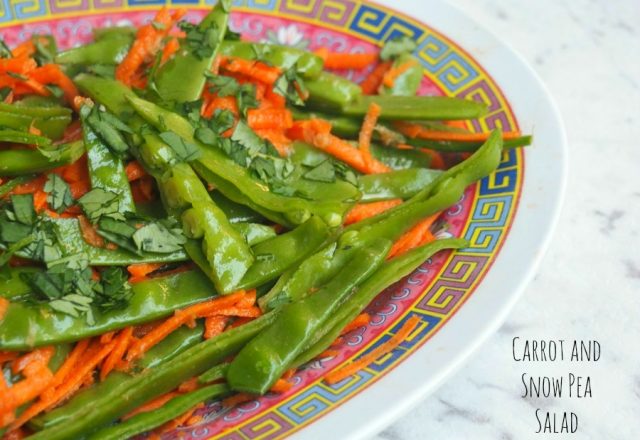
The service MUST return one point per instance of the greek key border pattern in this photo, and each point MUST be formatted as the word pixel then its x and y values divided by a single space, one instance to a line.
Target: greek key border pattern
pixel 457 74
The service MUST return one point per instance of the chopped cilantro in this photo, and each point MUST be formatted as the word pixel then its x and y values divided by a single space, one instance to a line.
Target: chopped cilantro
pixel 291 86
pixel 98 203
pixel 186 151
pixel 116 290
pixel 5 52
pixel 159 237
pixel 224 86
pixel 23 208
pixel 15 247
pixel 202 42
pixel 45 49
pixel 324 172
pixel 106 126
pixel 58 193
pixel 395 47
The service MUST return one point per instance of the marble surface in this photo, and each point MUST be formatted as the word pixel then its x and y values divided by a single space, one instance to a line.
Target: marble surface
pixel 588 53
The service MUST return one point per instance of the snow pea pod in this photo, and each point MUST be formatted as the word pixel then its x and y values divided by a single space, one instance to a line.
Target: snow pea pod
pixel 416 107
pixel 305 63
pixel 391 272
pixel 31 325
pixel 12 285
pixel 266 357
pixel 254 233
pixel 101 33
pixel 331 91
pixel 465 146
pixel 167 349
pixel 148 420
pixel 276 255
pixel 16 162
pixel 50 120
pixel 343 126
pixel 400 184
pixel 406 83
pixel 213 160
pixel 130 394
pixel 110 49
pixel 22 137
pixel 106 170
pixel 236 212
pixel 182 77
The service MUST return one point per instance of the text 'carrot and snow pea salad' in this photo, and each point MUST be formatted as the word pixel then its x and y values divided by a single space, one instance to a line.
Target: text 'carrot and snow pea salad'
pixel 186 216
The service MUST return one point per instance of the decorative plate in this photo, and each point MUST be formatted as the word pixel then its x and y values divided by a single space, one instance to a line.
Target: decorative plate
pixel 461 297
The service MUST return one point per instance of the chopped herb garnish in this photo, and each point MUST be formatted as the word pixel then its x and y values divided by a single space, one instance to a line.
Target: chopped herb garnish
pixel 98 203
pixel 162 237
pixel 291 86
pixel 186 151
pixel 5 52
pixel 201 42
pixel 397 46
pixel 23 208
pixel 324 172
pixel 58 193
pixel 107 126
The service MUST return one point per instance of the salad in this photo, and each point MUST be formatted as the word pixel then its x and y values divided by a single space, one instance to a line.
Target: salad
pixel 186 216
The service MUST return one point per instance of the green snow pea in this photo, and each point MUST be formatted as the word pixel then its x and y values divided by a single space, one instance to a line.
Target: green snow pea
pixel 305 63
pixel 150 383
pixel 32 325
pixel 266 357
pixel 110 49
pixel 148 420
pixel 17 162
pixel 391 272
pixel 408 82
pixel 400 184
pixel 254 233
pixel 182 77
pixel 331 91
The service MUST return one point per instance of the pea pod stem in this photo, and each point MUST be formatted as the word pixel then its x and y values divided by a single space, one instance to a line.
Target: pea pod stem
pixel 18 162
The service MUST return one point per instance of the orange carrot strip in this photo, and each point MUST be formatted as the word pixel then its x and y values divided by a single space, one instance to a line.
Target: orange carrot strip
pixel 281 386
pixel 67 367
pixel 86 366
pixel 105 338
pixel 181 317
pixel 24 50
pixel 421 132
pixel 4 306
pixel 8 356
pixel 141 270
pixel 277 138
pixel 170 48
pixel 53 74
pixel 237 399
pixel 253 69
pixel 279 118
pixel 392 74
pixel 135 171
pixel 40 355
pixel 40 200
pixel 437 161
pixel 214 325
pixel 372 82
pixel 152 405
pixel 384 348
pixel 143 189
pixel 364 139
pixel 122 342
pixel 334 60
pixel 328 353
pixel 89 232
pixel 361 320
pixel 178 421
pixel 363 211
pixel 414 237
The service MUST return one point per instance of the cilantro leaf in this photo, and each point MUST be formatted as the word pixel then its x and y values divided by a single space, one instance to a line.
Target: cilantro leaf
pixel 58 193
pixel 201 41
pixel 116 290
pixel 23 208
pixel 106 126
pixel 324 172
pixel 395 47
pixel 185 151
pixel 291 86
pixel 45 49
pixel 224 86
pixel 15 247
pixel 159 237
pixel 5 52
pixel 11 231
pixel 98 203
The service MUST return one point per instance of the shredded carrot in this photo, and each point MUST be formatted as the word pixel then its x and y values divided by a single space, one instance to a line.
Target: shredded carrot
pixel 255 70
pixel 152 405
pixel 37 377
pixel 372 82
pixel 217 306
pixel 437 161
pixel 24 50
pixel 361 320
pixel 146 45
pixel 88 362
pixel 135 171
pixel 8 356
pixel 4 306
pixel 178 421
pixel 122 342
pixel 309 132
pixel 238 322
pixel 214 325
pixel 140 271
pixel 89 232
pixel 281 386
pixel 105 338
pixel 328 353
pixel 421 132
pixel 279 118
pixel 142 189
pixel 40 355
pixel 277 138
pixel 343 372
pixel 334 60
pixel 364 139
pixel 362 211
pixel 170 48
pixel 414 237
pixel 40 200
pixel 393 73
pixel 52 74
pixel 70 364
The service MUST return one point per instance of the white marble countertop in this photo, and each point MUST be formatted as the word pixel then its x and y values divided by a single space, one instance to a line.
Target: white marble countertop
pixel 588 53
